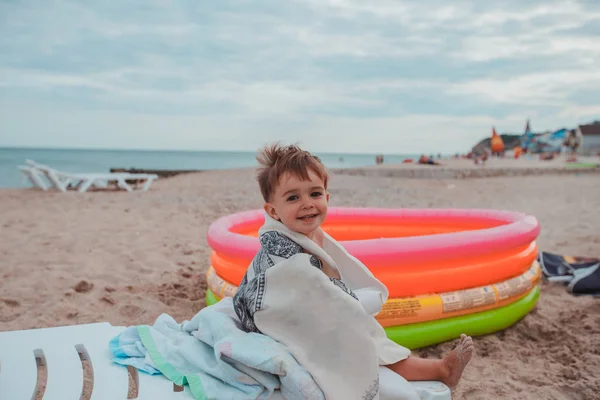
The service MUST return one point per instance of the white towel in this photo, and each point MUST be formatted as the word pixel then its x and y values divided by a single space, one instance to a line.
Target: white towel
pixel 331 334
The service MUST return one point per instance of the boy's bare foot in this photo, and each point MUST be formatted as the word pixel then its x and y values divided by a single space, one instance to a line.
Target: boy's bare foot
pixel 455 362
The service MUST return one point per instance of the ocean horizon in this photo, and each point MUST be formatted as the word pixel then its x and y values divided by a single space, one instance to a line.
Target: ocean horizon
pixel 102 160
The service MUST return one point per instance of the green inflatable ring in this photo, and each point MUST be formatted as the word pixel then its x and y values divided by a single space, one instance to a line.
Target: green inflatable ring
pixel 211 298
pixel 414 336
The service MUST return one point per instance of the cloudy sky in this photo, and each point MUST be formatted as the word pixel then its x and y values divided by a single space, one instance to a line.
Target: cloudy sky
pixel 334 75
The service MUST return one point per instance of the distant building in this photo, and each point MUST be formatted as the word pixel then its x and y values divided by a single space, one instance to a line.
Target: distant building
pixel 591 138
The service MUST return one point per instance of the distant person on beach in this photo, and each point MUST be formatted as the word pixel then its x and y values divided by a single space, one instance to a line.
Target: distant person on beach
pixel 427 160
pixel 480 159
pixel 547 156
pixel 572 142
pixel 293 184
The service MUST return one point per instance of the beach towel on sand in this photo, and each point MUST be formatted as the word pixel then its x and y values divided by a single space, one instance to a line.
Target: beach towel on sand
pixel 331 335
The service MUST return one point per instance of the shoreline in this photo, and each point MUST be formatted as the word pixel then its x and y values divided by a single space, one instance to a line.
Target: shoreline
pixel 449 169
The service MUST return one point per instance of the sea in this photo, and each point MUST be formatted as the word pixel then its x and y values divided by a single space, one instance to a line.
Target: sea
pixel 88 160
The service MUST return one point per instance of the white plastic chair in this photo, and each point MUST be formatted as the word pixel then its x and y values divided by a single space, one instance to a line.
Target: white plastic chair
pixel 64 181
pixel 61 350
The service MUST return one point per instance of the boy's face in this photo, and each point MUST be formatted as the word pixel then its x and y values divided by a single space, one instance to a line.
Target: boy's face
pixel 299 205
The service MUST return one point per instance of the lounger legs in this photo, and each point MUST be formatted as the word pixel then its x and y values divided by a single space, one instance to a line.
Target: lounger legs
pixel 90 182
pixel 147 184
pixel 34 178
pixel 57 182
pixel 123 184
pixel 86 185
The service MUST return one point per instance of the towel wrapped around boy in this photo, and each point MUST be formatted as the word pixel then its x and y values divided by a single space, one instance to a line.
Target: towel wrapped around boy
pixel 292 332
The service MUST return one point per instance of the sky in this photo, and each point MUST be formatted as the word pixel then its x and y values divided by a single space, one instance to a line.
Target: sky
pixel 381 76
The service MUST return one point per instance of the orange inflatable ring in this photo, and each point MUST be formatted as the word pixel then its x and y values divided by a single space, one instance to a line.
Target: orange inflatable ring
pixel 411 251
pixel 408 310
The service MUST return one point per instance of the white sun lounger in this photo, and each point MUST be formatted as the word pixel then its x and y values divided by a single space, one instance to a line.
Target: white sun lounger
pixel 61 350
pixel 64 181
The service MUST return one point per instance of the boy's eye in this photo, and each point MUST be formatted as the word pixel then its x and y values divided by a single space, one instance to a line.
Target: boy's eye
pixel 316 194
pixel 292 198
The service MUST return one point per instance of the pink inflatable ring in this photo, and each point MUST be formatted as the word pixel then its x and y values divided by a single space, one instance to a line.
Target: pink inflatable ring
pixel 412 251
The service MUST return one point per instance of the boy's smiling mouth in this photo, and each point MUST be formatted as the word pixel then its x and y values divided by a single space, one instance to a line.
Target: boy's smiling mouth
pixel 310 216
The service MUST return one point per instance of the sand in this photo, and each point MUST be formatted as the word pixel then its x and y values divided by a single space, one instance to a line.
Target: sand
pixel 125 258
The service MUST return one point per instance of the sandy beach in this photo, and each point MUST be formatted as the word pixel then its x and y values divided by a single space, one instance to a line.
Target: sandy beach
pixel 125 258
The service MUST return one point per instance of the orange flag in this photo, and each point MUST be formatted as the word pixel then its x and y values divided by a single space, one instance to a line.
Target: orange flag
pixel 497 144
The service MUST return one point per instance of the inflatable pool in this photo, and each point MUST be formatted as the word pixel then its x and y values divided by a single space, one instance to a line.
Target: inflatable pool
pixel 446 270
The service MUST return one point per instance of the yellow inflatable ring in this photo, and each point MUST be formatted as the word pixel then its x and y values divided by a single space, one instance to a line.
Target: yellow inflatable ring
pixel 409 310
pixel 219 286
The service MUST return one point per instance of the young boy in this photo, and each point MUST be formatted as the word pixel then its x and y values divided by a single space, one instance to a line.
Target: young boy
pixel 293 184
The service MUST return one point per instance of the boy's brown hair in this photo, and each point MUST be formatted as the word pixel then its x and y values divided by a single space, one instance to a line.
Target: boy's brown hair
pixel 276 160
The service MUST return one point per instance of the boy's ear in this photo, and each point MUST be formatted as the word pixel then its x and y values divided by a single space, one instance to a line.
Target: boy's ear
pixel 327 197
pixel 271 211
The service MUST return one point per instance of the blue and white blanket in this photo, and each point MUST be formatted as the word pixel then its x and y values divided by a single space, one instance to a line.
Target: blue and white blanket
pixel 215 358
